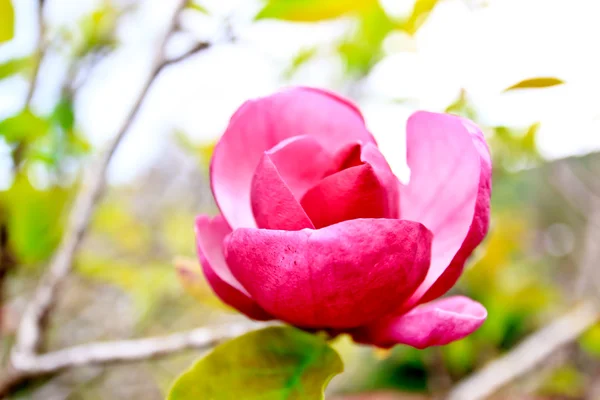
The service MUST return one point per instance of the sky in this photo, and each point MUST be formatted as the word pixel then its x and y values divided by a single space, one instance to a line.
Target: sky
pixel 480 46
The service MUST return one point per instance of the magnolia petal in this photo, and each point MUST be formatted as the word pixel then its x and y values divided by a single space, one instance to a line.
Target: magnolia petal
pixel 261 124
pixel 301 162
pixel 210 236
pixel 273 203
pixel 349 194
pixel 479 226
pixel 341 276
pixel 371 155
pixel 449 192
pixel 366 188
pixel 432 324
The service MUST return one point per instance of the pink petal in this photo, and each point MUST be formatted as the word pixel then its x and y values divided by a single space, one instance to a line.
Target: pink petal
pixel 341 276
pixel 273 203
pixel 432 324
pixel 210 235
pixel 349 194
pixel 261 124
pixel 301 162
pixel 449 192
pixel 371 155
pixel 367 188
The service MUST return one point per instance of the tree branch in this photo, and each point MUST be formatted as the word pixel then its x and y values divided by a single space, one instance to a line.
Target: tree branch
pixel 197 48
pixel 527 355
pixel 26 366
pixel 39 53
pixel 29 334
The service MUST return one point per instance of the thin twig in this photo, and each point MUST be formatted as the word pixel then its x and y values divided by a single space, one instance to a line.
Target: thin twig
pixel 120 351
pixel 39 53
pixel 133 350
pixel 29 335
pixel 527 355
pixel 197 48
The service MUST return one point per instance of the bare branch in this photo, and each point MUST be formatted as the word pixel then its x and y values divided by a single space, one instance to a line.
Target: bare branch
pixel 131 350
pixel 29 335
pixel 25 366
pixel 197 48
pixel 527 355
pixel 39 52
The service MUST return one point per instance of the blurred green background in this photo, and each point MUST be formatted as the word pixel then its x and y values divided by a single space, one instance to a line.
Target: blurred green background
pixel 523 70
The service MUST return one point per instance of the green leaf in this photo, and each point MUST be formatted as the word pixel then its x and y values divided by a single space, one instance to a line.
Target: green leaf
pixel 363 49
pixel 590 341
pixel 303 56
pixel 146 284
pixel 277 363
pixel 536 83
pixel 16 66
pixel 64 115
pixel 311 10
pixel 24 126
pixel 418 16
pixel 97 30
pixel 7 21
pixel 197 7
pixel 35 219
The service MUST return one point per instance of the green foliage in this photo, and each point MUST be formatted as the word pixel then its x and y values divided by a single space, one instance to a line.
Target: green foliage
pixel 16 66
pixel 23 126
pixel 515 148
pixel 192 5
pixel 590 341
pixel 51 140
pixel 311 10
pixel 119 226
pixel 145 283
pixel 303 56
pixel 462 106
pixel 418 16
pixel 536 83
pixel 278 363
pixel 96 31
pixel 7 20
pixel 34 219
pixel 565 381
pixel 194 283
pixel 363 49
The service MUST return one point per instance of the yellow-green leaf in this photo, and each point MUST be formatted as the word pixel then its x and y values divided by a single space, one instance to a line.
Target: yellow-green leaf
pixel 7 20
pixel 197 7
pixel 590 341
pixel 303 56
pixel 536 83
pixel 24 126
pixel 35 218
pixel 363 49
pixel 418 16
pixel 277 363
pixel 193 281
pixel 311 10
pixel 15 66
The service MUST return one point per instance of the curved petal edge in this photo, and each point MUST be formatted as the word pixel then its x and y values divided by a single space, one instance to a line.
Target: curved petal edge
pixel 432 324
pixel 342 276
pixel 210 236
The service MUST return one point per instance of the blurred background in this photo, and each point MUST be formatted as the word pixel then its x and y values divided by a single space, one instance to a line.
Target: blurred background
pixel 525 70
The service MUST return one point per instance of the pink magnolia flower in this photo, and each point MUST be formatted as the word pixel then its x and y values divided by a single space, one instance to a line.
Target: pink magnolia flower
pixel 315 229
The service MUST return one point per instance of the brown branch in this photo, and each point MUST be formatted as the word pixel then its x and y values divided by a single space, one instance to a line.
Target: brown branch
pixel 29 333
pixel 39 53
pixel 121 351
pixel 197 48
pixel 527 355
pixel 25 361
